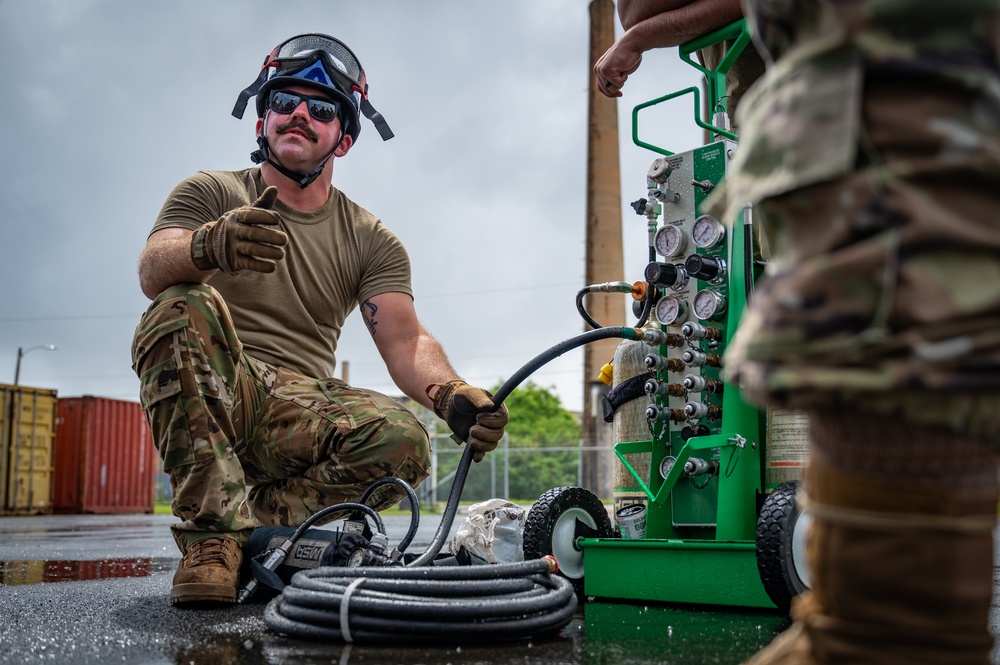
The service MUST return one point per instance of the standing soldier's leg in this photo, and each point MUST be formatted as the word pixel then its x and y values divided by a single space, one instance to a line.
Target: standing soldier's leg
pixel 197 401
pixel 900 548
pixel 872 150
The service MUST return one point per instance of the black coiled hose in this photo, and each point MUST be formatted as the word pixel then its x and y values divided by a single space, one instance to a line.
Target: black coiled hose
pixel 423 604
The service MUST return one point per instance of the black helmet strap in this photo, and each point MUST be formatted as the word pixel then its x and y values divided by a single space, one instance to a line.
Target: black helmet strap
pixel 376 118
pixel 263 154
pixel 250 91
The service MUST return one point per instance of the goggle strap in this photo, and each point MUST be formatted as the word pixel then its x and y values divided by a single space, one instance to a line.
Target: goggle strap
pixel 248 92
pixel 376 118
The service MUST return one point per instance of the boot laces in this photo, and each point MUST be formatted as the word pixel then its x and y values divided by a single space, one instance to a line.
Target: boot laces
pixel 210 551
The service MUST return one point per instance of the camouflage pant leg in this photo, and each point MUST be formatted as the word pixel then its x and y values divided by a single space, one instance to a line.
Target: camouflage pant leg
pixel 195 395
pixel 883 295
pixel 321 442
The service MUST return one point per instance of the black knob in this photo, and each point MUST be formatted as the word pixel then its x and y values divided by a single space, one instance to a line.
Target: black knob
pixel 703 267
pixel 639 206
pixel 661 274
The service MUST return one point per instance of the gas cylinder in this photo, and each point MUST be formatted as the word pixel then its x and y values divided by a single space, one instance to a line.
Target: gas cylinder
pixel 629 424
pixel 787 446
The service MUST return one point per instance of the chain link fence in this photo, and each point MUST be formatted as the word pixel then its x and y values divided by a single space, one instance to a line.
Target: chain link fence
pixel 520 475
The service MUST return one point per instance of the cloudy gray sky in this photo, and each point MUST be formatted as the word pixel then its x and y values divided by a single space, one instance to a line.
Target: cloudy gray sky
pixel 109 103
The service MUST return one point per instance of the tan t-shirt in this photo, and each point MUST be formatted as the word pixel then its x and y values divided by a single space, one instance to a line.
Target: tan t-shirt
pixel 336 257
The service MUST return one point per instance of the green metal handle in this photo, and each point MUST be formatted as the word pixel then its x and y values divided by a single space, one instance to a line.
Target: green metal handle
pixel 701 123
pixel 715 81
pixel 691 446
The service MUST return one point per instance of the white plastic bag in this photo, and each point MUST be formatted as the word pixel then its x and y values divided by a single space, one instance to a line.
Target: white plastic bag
pixel 492 532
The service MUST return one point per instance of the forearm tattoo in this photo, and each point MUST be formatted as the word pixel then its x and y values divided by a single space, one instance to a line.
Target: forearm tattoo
pixel 368 310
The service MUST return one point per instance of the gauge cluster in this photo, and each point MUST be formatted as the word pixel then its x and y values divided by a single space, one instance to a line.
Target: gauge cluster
pixel 689 283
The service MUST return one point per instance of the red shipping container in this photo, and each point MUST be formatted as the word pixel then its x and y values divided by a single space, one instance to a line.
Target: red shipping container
pixel 105 461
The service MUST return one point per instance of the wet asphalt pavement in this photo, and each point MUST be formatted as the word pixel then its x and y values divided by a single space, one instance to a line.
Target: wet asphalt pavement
pixel 95 589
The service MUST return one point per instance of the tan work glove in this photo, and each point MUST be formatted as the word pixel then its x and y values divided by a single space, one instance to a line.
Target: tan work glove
pixel 470 414
pixel 242 239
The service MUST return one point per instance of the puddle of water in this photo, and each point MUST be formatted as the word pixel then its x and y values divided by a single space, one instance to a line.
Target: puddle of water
pixel 40 572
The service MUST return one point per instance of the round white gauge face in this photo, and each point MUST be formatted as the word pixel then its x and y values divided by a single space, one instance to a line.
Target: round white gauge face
pixel 666 465
pixel 670 310
pixel 707 232
pixel 669 241
pixel 709 305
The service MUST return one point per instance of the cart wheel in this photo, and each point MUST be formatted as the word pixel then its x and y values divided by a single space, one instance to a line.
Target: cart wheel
pixel 782 530
pixel 552 528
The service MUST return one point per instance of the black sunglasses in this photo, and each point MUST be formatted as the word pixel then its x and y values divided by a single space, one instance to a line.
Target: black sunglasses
pixel 320 108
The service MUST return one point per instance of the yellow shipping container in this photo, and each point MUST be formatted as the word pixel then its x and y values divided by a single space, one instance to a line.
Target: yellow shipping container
pixel 23 572
pixel 27 435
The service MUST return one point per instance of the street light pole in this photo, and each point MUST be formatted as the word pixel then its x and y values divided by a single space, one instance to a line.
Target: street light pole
pixel 21 352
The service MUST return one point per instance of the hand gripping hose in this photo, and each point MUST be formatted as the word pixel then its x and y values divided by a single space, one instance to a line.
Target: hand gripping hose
pixel 423 604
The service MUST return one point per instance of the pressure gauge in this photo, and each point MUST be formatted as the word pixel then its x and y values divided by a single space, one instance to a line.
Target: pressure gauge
pixel 709 305
pixel 670 311
pixel 707 232
pixel 666 465
pixel 357 559
pixel 670 241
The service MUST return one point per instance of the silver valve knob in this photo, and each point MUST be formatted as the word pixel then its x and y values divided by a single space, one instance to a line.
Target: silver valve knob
pixel 694 330
pixel 694 383
pixel 700 410
pixel 656 413
pixel 696 466
pixel 696 358
pixel 656 388
pixel 655 361
pixel 659 171
pixel 696 410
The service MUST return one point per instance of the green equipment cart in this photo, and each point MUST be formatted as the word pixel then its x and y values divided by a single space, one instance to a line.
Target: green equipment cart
pixel 712 477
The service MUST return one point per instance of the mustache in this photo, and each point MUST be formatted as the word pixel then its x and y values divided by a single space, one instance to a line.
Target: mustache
pixel 300 125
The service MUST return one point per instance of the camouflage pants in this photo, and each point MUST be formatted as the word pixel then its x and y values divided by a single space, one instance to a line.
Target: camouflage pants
pixel 872 152
pixel 223 420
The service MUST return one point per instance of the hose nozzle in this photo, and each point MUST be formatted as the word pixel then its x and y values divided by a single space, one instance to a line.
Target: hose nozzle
pixel 271 563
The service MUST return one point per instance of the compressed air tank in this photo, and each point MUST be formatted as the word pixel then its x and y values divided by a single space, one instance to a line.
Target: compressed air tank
pixel 629 424
pixel 787 446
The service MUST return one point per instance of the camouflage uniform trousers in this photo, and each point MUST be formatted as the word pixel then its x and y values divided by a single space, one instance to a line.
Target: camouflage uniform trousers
pixel 871 150
pixel 223 420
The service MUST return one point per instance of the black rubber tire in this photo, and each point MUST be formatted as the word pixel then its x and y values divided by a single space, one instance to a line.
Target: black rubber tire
pixel 550 528
pixel 776 533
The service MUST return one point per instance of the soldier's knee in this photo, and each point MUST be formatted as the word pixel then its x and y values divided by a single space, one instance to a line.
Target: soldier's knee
pixel 409 435
pixel 195 296
pixel 195 307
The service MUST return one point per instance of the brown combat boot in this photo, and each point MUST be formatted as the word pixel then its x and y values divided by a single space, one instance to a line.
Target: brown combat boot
pixel 902 573
pixel 208 574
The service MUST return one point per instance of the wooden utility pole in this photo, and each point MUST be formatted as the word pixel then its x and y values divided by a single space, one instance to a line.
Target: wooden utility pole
pixel 605 262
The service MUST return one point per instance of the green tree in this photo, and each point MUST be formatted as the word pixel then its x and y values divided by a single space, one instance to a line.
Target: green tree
pixel 538 422
pixel 538 419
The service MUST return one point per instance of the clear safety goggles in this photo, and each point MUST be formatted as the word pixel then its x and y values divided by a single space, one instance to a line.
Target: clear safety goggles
pixel 340 68
pixel 323 60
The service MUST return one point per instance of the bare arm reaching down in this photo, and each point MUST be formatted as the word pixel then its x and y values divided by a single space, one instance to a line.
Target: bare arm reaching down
pixel 418 365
